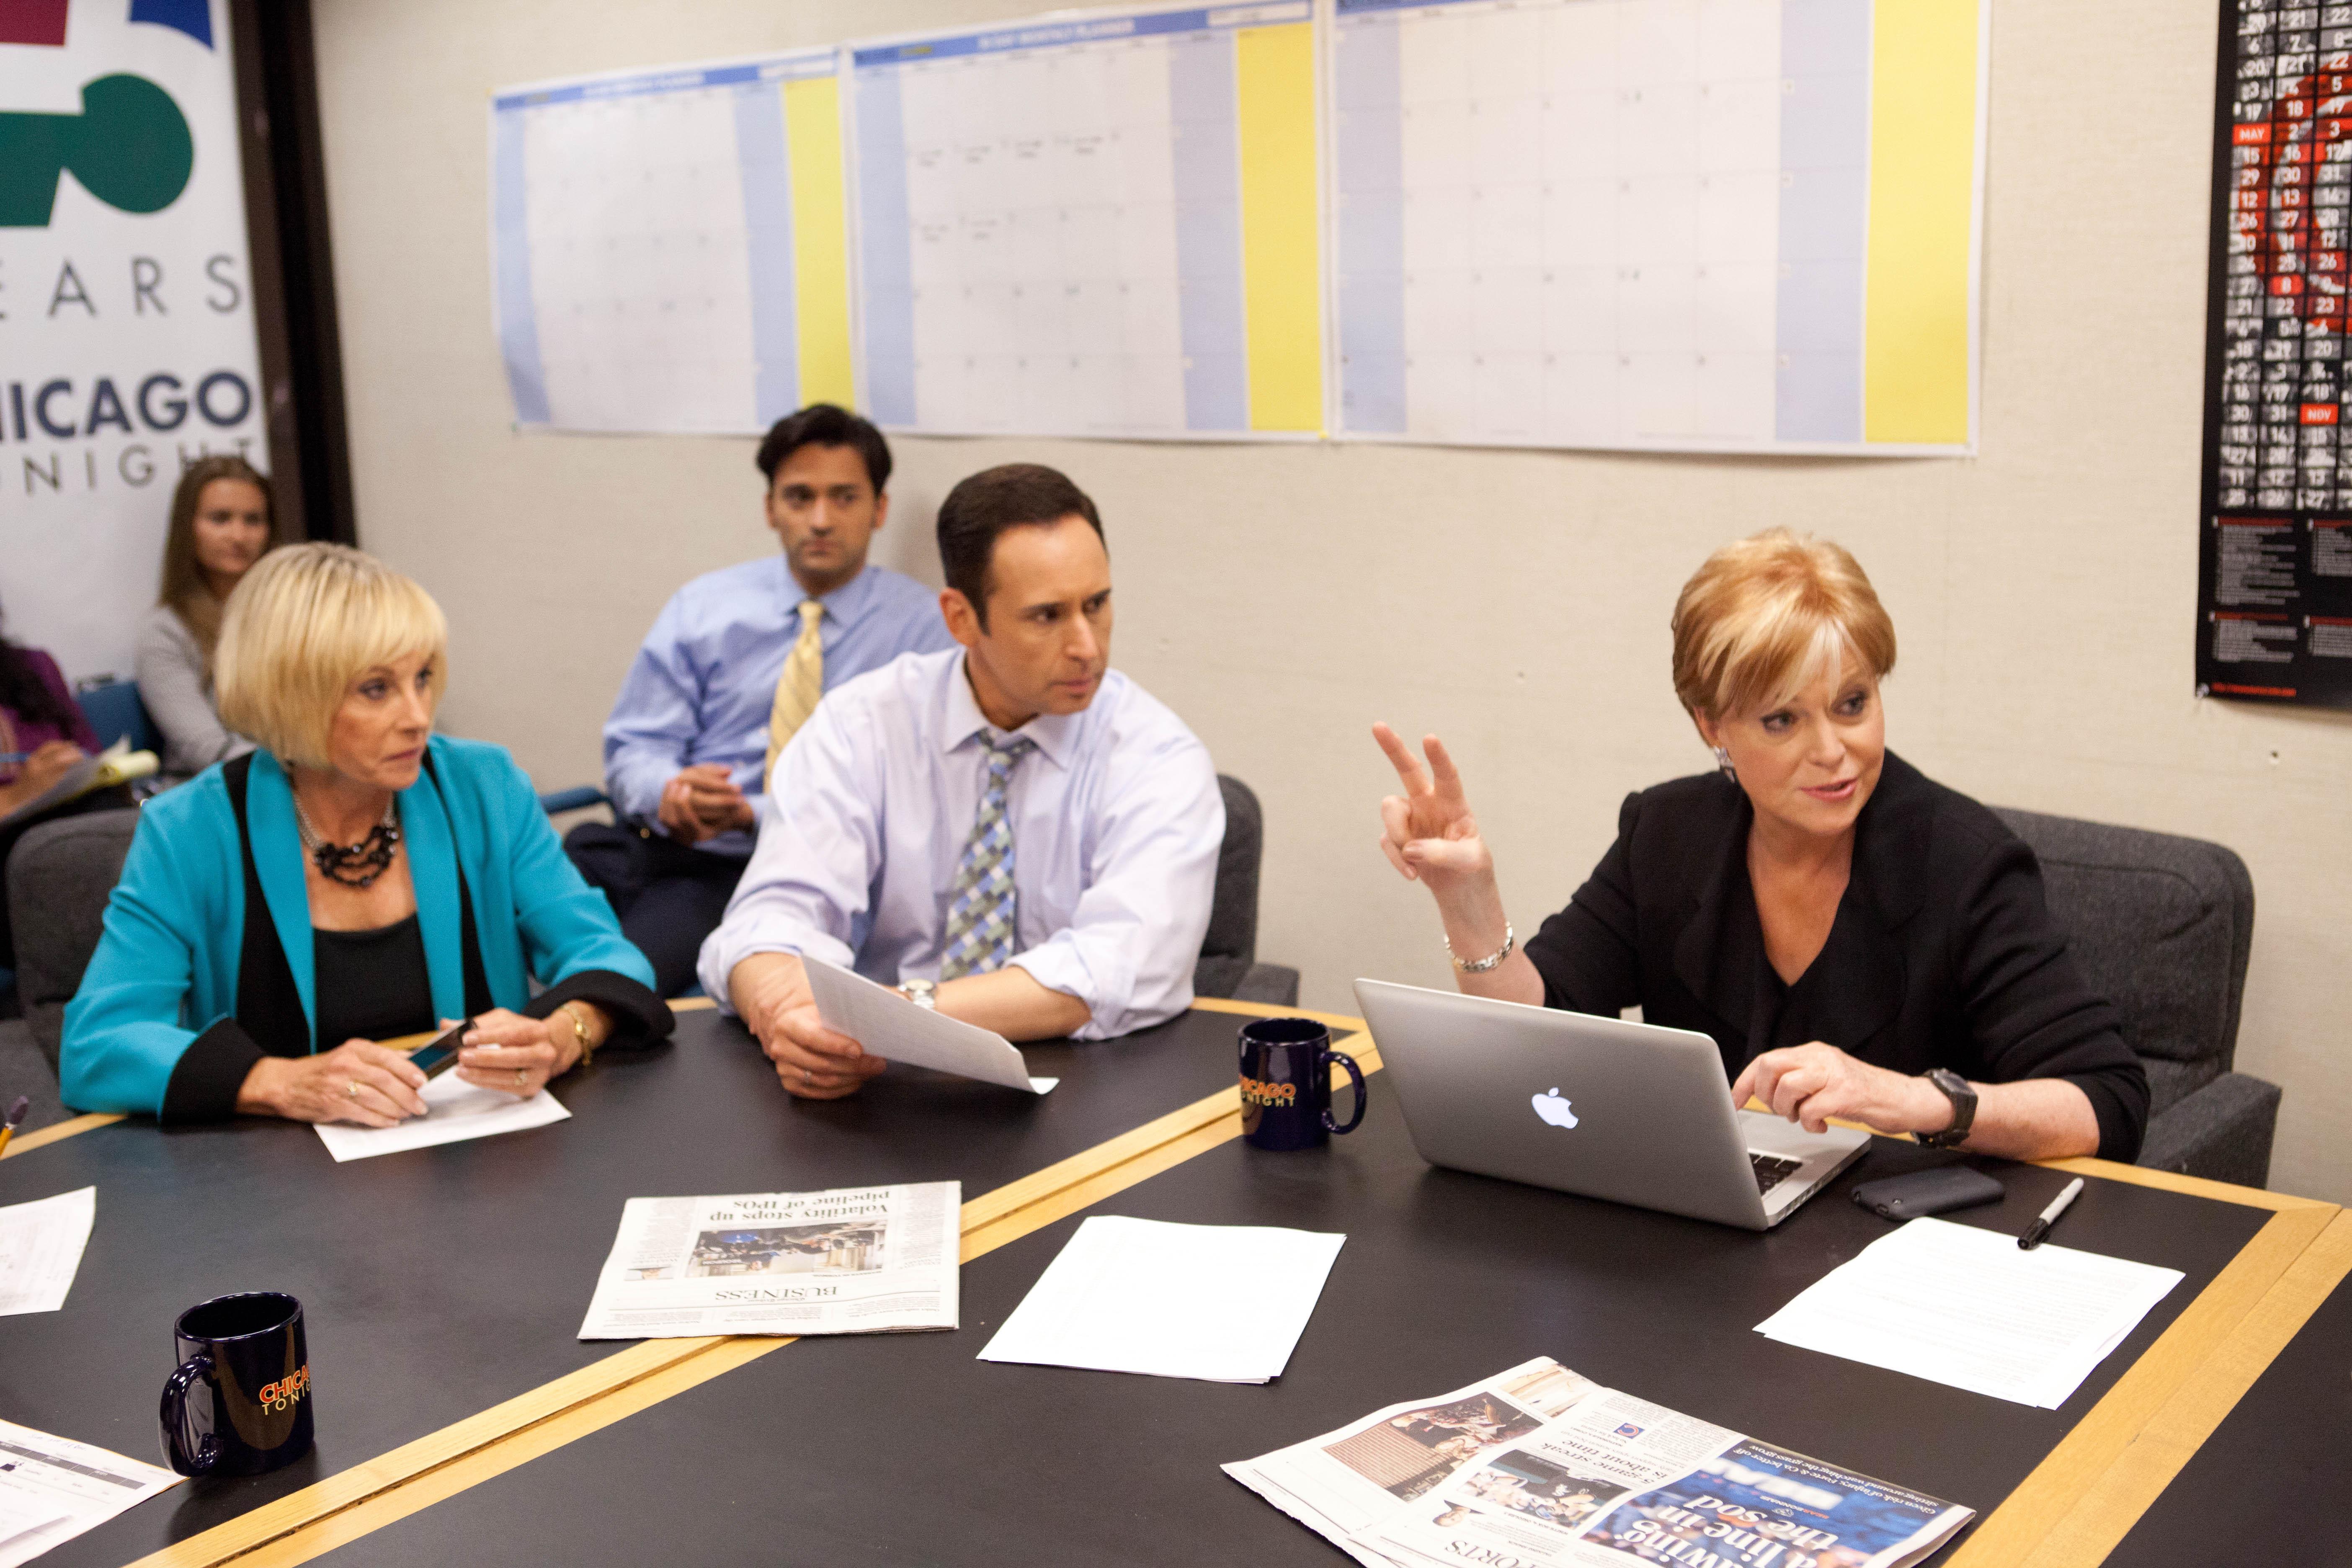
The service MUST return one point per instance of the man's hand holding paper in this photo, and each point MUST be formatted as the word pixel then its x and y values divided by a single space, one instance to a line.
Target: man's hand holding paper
pixel 771 991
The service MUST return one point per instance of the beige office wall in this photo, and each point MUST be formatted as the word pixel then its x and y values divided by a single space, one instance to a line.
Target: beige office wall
pixel 1283 597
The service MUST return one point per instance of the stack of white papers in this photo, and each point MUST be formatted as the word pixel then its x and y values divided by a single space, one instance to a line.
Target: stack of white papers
pixel 455 1111
pixel 51 1489
pixel 1221 1303
pixel 40 1250
pixel 1959 1305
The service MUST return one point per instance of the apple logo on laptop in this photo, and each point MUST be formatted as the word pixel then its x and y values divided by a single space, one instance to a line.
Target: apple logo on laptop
pixel 1554 1109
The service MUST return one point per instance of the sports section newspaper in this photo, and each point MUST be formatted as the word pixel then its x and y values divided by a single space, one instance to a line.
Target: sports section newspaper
pixel 1538 1467
pixel 2274 556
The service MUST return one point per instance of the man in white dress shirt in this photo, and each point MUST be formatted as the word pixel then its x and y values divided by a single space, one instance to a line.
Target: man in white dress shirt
pixel 1015 833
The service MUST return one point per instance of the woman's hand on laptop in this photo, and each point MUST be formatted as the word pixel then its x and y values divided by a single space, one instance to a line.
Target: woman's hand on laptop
pixel 1809 1084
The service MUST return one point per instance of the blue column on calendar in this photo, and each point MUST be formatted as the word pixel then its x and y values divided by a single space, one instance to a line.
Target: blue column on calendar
pixel 518 318
pixel 886 249
pixel 1369 166
pixel 1824 217
pixel 1203 108
pixel 768 240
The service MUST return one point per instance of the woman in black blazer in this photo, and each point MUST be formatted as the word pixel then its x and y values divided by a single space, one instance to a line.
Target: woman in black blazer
pixel 1858 939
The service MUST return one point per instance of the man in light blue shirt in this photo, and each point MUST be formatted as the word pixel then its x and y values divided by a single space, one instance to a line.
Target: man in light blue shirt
pixel 733 664
pixel 1015 833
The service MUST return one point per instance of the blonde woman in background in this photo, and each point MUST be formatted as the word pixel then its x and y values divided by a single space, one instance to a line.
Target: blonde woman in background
pixel 355 879
pixel 222 521
pixel 1858 939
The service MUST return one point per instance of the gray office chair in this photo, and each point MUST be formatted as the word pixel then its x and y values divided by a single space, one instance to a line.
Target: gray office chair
pixel 2162 925
pixel 1228 965
pixel 59 877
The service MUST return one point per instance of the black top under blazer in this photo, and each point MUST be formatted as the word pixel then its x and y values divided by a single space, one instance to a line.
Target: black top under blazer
pixel 1944 953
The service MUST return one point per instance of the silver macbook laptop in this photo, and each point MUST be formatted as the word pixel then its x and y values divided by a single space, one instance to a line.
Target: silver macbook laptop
pixel 1600 1107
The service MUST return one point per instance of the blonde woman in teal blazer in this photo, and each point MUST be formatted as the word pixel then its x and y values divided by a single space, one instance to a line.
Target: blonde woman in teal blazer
pixel 357 878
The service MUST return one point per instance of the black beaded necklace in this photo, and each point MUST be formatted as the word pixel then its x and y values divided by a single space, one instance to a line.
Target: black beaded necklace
pixel 358 865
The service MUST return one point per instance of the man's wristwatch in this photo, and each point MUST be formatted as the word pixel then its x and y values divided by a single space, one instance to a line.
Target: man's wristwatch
pixel 1963 1097
pixel 921 993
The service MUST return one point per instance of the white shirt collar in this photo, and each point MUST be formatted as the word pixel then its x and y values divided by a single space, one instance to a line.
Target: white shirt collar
pixel 1055 735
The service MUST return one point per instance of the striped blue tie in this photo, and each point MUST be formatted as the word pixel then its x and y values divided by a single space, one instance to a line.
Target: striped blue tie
pixel 981 908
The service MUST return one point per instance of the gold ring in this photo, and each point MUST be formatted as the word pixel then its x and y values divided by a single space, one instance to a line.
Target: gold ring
pixel 352 1093
pixel 521 1078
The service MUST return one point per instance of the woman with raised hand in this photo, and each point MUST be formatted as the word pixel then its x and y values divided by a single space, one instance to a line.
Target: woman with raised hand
pixel 355 879
pixel 221 523
pixel 1859 940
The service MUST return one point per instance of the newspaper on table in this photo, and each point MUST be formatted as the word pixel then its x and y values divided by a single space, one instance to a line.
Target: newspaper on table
pixel 1538 1466
pixel 857 1260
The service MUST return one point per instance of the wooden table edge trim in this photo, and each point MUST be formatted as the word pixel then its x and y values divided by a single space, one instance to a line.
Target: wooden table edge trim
pixel 2110 1507
pixel 57 1133
pixel 2013 1534
pixel 650 1370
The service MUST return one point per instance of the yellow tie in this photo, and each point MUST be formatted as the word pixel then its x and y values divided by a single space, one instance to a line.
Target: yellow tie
pixel 800 686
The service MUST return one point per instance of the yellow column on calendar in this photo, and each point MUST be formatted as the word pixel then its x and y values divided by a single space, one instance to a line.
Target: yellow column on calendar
pixel 1923 141
pixel 1282 265
pixel 820 240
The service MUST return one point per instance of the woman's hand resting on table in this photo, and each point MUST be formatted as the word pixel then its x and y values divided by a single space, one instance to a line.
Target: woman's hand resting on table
pixel 517 1055
pixel 1809 1084
pixel 359 1081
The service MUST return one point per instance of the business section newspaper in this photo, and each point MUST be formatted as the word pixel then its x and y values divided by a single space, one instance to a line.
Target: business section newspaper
pixel 855 1260
pixel 1539 1467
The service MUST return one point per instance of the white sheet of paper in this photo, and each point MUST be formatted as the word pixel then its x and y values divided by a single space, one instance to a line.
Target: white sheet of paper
pixel 1217 1303
pixel 40 1250
pixel 896 1030
pixel 454 1112
pixel 52 1490
pixel 1960 1304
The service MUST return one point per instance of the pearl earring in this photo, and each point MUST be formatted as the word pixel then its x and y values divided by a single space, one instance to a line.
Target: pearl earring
pixel 1723 761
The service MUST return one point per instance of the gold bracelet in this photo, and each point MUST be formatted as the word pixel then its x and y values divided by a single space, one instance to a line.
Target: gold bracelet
pixel 580 1033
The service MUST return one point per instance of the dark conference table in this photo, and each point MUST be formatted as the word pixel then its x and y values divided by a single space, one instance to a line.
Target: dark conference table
pixel 439 1282
pixel 906 1450
pixel 2269 1485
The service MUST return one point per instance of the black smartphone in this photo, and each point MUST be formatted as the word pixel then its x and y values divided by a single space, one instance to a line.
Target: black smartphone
pixel 1923 1192
pixel 441 1053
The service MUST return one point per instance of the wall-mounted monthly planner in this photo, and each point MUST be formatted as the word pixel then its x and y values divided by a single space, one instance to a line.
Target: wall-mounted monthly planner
pixel 1678 224
pixel 1728 225
pixel 1102 225
pixel 670 248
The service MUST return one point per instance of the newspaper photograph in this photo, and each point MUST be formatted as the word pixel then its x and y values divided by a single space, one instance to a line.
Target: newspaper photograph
pixel 1347 1483
pixel 858 1260
pixel 1603 1479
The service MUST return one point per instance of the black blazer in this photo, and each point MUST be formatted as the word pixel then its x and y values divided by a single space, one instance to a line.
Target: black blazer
pixel 1944 953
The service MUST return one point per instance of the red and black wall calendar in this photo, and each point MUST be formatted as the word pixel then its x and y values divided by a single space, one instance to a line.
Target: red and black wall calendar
pixel 2274 563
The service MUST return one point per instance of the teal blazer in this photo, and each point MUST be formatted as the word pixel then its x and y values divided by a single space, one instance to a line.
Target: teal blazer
pixel 205 963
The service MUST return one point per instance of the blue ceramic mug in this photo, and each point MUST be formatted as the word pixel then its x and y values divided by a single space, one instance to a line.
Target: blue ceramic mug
pixel 1287 1084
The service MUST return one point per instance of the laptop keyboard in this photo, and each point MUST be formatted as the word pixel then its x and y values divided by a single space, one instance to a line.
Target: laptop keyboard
pixel 1771 1170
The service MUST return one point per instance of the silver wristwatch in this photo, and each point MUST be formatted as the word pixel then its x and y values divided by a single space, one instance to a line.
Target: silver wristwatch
pixel 921 993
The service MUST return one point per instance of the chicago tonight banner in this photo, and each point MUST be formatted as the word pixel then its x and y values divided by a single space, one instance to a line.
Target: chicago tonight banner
pixel 127 341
